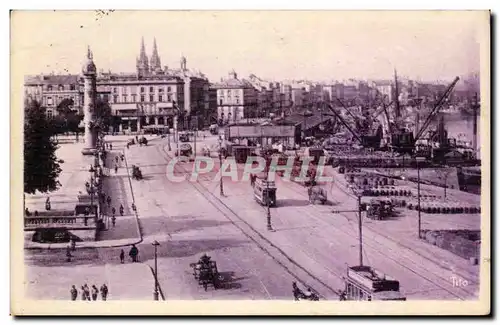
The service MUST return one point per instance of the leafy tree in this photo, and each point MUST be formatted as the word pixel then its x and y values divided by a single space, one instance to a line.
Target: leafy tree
pixel 41 166
pixel 103 113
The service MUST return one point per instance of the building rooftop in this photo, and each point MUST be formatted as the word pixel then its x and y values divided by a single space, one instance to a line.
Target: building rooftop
pixel 51 79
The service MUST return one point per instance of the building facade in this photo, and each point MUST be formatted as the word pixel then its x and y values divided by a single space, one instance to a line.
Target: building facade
pixel 51 90
pixel 149 96
pixel 236 99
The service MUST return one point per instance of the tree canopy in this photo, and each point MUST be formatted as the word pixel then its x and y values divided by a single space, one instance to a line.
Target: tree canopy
pixel 41 166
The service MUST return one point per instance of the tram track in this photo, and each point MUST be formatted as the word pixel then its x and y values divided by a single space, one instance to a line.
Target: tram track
pixel 403 245
pixel 289 264
pixel 408 261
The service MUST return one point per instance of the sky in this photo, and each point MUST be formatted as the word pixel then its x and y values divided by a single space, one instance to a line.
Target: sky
pixel 274 45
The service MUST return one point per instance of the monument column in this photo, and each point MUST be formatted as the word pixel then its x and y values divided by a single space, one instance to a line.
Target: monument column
pixel 89 100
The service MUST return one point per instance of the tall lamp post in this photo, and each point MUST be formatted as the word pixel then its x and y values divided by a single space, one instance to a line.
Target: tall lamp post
pixel 268 201
pixel 419 159
pixel 220 166
pixel 155 293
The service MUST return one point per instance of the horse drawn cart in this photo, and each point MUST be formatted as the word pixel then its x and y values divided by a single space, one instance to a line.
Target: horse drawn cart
pixel 205 271
pixel 317 193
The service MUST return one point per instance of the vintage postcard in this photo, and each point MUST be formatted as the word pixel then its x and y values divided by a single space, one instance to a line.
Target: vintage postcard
pixel 250 162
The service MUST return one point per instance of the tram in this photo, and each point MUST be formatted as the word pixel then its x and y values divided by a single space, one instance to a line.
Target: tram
pixel 265 191
pixel 367 283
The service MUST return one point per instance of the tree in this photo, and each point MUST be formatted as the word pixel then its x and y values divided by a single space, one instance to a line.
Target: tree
pixel 103 114
pixel 41 166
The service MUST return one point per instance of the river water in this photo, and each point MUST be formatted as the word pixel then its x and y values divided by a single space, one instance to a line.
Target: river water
pixel 461 127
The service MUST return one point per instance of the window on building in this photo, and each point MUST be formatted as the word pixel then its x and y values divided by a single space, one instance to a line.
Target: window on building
pixel 142 89
pixel 124 97
pixel 49 101
pixel 72 87
pixel 115 98
pixel 50 114
pixel 220 101
pixel 151 98
pixel 106 97
pixel 124 90
pixel 160 98
pixel 237 101
pixel 133 97
pixel 115 90
pixel 142 98
pixel 169 89
pixel 160 90
pixel 151 90
pixel 61 88
pixel 49 87
pixel 169 98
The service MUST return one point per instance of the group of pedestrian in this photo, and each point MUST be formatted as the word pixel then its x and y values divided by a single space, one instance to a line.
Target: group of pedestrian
pixel 88 294
pixel 108 146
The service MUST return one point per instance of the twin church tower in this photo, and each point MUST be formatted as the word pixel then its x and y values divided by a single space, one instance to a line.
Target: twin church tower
pixel 146 67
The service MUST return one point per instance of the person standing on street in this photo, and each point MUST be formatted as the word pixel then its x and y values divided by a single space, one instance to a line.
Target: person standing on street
pixel 84 297
pixel 95 291
pixel 116 169
pixel 121 210
pixel 104 292
pixel 113 220
pixel 87 292
pixel 133 253
pixel 122 256
pixel 74 293
pixel 109 200
pixel 68 254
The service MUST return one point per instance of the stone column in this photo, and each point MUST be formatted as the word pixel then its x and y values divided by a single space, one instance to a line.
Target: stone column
pixel 89 94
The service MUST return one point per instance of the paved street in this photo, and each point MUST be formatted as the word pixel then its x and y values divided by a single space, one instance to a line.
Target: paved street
pixel 324 242
pixel 310 243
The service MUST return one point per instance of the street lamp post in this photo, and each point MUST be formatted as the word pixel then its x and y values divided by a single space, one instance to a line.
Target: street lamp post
pixel 269 226
pixel 220 167
pixel 418 200
pixel 360 226
pixel 155 293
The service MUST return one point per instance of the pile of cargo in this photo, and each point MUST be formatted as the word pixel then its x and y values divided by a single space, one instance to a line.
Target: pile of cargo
pixel 442 207
pixel 464 243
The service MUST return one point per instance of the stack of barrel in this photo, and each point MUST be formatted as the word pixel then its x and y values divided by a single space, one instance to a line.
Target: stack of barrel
pixel 439 207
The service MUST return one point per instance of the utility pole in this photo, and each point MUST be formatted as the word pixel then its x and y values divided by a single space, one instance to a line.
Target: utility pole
pixel 475 106
pixel 155 293
pixel 220 167
pixel 360 225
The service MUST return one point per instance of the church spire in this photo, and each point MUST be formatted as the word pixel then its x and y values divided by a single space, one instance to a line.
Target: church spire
pixel 142 63
pixel 155 58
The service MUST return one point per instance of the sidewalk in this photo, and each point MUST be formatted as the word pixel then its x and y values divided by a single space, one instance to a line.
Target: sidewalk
pixel 130 281
pixel 117 185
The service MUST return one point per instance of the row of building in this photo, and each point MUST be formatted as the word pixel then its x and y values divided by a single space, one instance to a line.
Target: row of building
pixel 151 95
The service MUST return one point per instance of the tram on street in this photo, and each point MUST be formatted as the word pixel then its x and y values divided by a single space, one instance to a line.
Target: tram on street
pixel 265 191
pixel 367 283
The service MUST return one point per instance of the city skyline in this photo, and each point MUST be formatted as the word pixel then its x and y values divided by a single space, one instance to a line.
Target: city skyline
pixel 269 44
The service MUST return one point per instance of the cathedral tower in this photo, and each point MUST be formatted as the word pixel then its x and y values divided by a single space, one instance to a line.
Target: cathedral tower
pixel 155 63
pixel 142 61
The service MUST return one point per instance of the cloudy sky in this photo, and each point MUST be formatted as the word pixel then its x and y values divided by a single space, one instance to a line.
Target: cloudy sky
pixel 316 45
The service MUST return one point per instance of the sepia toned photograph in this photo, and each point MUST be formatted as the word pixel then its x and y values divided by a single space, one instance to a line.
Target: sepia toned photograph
pixel 250 162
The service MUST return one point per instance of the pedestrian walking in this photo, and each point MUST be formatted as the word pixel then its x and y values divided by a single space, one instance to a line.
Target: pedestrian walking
pixel 87 291
pixel 84 297
pixel 113 220
pixel 95 291
pixel 109 200
pixel 110 146
pixel 74 293
pixel 116 159
pixel 116 169
pixel 113 211
pixel 133 207
pixel 121 210
pixel 68 254
pixel 104 292
pixel 134 252
pixel 122 256
pixel 122 157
